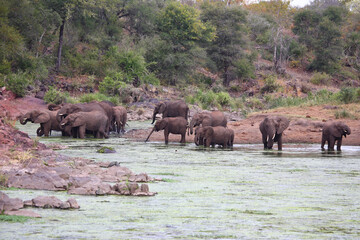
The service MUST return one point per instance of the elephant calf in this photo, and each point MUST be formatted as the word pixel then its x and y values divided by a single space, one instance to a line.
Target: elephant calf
pixel 174 125
pixel 332 132
pixel 214 135
pixel 272 128
pixel 120 118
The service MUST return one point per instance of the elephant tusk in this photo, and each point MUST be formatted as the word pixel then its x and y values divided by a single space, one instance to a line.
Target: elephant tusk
pixel 273 137
pixel 63 124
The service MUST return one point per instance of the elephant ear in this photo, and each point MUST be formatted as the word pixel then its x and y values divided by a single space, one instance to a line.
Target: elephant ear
pixel 162 107
pixel 337 130
pixel 77 121
pixel 282 124
pixel 42 117
pixel 163 124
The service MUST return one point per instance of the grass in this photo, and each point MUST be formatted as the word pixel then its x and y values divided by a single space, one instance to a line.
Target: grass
pixel 13 219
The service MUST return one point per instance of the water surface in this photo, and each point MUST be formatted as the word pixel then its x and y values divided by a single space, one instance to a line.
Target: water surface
pixel 243 193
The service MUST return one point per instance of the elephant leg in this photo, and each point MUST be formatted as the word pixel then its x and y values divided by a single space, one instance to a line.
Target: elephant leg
pixel 264 140
pixel 279 141
pixel 331 143
pixel 40 131
pixel 323 141
pixel 46 128
pixel 81 131
pixel 166 135
pixel 338 145
pixel 183 137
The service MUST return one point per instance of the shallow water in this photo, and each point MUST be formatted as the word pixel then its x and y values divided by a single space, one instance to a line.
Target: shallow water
pixel 243 193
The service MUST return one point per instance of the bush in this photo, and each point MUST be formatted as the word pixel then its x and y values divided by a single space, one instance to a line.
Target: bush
pixel 342 114
pixel 223 98
pixel 17 83
pixel 89 97
pixel 111 84
pixel 320 78
pixel 54 96
pixel 348 95
pixel 271 84
pixel 245 69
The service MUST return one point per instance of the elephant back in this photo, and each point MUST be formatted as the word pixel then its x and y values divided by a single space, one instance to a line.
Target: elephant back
pixel 218 119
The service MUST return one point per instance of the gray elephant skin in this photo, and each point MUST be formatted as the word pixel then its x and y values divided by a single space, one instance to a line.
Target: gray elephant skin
pixel 171 109
pixel 333 132
pixel 272 128
pixel 94 121
pixel 120 118
pixel 213 119
pixel 174 125
pixel 46 118
pixel 214 135
pixel 103 107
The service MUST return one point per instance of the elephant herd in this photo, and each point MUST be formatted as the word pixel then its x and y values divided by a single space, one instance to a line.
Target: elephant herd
pixel 97 118
pixel 210 128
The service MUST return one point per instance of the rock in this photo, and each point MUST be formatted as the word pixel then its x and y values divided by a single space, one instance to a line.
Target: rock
pixel 144 188
pixel 65 205
pixel 9 204
pixel 142 177
pixel 23 212
pixel 47 202
pixel 28 203
pixel 122 188
pixel 115 163
pixel 73 203
pixel 133 188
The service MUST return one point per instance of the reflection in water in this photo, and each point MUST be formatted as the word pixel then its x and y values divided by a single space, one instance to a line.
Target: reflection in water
pixel 210 193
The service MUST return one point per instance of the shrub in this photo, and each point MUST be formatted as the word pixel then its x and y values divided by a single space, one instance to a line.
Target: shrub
pixel 111 84
pixel 17 83
pixel 347 95
pixel 320 78
pixel 89 97
pixel 342 114
pixel 54 96
pixel 245 69
pixel 223 98
pixel 271 84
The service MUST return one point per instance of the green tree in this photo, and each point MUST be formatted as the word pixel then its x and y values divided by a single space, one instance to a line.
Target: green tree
pixel 177 52
pixel 227 48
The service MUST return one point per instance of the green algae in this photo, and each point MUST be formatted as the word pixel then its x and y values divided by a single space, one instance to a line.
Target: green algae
pixel 243 193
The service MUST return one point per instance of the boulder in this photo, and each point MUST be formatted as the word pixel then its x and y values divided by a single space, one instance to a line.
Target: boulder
pixel 23 212
pixel 47 202
pixel 9 204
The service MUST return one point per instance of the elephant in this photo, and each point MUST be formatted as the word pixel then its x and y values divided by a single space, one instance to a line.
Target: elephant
pixel 198 139
pixel 94 121
pixel 214 135
pixel 213 119
pixel 174 125
pixel 230 136
pixel 171 109
pixel 272 128
pixel 103 107
pixel 120 118
pixel 332 132
pixel 46 118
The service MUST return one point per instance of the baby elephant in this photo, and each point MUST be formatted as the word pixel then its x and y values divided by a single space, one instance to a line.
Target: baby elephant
pixel 332 132
pixel 174 125
pixel 215 135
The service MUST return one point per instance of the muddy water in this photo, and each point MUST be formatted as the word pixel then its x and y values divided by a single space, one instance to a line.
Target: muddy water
pixel 242 193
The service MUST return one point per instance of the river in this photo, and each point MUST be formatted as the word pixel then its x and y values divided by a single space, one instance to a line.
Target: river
pixel 243 193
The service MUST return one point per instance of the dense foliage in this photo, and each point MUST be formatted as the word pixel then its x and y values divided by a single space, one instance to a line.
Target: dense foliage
pixel 120 43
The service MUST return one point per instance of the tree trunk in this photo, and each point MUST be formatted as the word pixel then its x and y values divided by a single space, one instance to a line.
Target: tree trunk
pixel 226 80
pixel 61 36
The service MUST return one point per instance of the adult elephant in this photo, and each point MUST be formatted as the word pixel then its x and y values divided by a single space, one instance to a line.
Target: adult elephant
pixel 213 119
pixel 272 128
pixel 214 135
pixel 174 125
pixel 120 118
pixel 333 132
pixel 171 109
pixel 102 107
pixel 94 121
pixel 46 118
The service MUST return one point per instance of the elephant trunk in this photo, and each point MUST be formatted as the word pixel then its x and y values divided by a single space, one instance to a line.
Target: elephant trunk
pixel 23 120
pixel 191 126
pixel 150 134
pixel 153 118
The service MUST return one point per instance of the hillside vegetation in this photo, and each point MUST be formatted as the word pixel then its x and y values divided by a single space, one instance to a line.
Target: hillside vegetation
pixel 230 55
